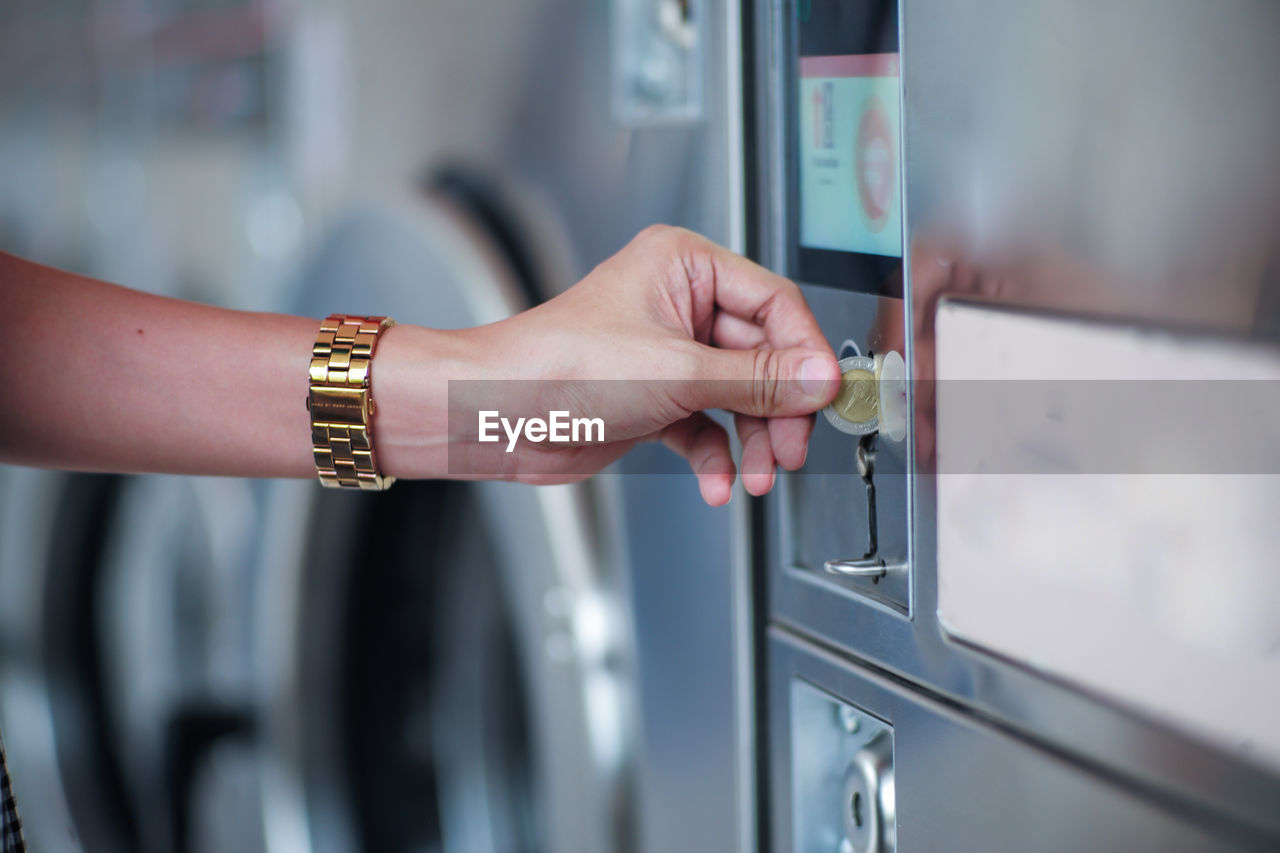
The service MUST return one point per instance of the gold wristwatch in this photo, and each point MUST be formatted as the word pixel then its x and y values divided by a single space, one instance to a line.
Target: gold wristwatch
pixel 341 402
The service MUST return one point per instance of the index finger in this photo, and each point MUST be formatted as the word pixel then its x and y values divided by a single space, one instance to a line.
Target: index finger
pixel 752 293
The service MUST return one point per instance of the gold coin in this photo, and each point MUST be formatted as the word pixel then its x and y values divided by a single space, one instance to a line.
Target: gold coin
pixel 858 397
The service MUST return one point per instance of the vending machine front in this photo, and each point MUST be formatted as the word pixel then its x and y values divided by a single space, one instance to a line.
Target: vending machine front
pixel 1017 596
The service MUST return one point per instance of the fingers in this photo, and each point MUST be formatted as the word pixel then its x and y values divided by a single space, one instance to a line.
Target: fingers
pixel 758 465
pixel 789 438
pixel 723 281
pixel 764 382
pixel 705 445
pixel 774 360
pixel 768 358
pixel 730 332
pixel 749 292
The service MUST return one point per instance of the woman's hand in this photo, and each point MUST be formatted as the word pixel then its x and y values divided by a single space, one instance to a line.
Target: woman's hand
pixel 669 326
pixel 112 379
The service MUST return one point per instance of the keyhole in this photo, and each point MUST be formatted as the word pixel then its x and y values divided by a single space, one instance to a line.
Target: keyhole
pixel 856 806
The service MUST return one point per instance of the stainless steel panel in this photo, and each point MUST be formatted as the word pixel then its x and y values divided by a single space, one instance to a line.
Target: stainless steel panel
pixel 958 102
pixel 843 794
pixel 1090 528
pixel 822 509
pixel 1113 159
pixel 962 784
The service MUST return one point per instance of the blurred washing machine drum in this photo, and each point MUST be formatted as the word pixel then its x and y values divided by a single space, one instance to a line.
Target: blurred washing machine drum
pixel 126 673
pixel 444 665
pixel 51 528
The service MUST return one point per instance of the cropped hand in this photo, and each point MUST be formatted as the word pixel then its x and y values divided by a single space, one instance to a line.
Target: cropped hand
pixel 668 327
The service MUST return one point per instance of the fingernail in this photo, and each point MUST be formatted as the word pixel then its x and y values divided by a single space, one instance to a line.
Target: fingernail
pixel 816 376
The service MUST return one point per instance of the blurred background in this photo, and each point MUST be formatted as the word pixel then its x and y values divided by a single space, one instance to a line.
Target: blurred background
pixel 199 664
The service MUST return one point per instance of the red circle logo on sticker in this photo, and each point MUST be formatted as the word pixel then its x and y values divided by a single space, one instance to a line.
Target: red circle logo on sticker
pixel 875 163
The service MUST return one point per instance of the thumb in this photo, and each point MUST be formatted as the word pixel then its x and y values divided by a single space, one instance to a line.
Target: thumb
pixel 766 383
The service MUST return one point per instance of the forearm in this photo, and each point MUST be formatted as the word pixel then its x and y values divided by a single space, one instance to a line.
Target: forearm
pixel 106 378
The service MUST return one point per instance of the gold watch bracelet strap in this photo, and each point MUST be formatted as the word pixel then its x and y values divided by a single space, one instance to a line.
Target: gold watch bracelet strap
pixel 341 402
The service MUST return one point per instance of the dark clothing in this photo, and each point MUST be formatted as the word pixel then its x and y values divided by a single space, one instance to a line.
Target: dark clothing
pixel 10 826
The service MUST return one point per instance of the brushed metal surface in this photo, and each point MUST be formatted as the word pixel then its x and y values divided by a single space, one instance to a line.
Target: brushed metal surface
pixel 961 784
pixel 1037 174
pixel 1131 577
pixel 822 508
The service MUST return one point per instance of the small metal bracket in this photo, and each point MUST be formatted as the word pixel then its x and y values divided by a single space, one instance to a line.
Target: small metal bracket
pixel 866 568
pixel 871 564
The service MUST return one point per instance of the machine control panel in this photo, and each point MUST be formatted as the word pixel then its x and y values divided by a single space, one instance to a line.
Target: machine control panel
pixel 842 520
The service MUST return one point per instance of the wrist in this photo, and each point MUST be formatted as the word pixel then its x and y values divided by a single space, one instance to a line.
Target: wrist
pixel 410 383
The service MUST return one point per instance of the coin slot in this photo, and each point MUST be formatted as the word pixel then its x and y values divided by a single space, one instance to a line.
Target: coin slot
pixel 848 348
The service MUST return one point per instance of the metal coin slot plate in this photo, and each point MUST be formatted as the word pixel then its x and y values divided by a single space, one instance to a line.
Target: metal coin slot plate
pixel 842 788
pixel 842 519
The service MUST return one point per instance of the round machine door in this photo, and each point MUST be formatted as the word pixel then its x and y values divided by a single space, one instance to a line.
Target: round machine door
pixel 174 621
pixel 126 672
pixel 444 665
pixel 51 527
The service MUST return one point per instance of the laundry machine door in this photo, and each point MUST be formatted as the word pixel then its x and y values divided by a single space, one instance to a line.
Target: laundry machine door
pixel 173 622
pixel 125 665
pixel 444 665
pixel 51 528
